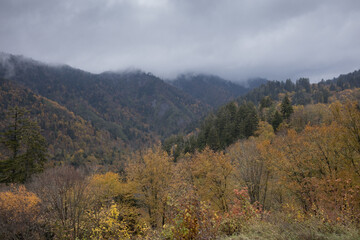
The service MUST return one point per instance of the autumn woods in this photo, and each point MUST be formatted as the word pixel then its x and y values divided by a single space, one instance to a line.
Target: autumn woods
pixel 300 175
pixel 281 162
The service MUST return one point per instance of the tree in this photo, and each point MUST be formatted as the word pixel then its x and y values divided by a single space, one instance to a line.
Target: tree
pixel 65 199
pixel 150 176
pixel 286 108
pixel 19 214
pixel 348 116
pixel 314 169
pixel 113 211
pixel 212 175
pixel 277 120
pixel 289 85
pixel 23 146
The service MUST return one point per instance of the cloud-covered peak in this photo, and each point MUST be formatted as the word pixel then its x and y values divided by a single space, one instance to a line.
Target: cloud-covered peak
pixel 276 39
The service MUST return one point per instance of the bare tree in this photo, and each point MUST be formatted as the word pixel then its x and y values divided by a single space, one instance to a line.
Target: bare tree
pixel 63 191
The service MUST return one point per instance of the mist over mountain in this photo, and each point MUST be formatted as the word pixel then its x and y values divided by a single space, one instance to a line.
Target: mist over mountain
pixel 133 106
pixel 210 89
pixel 179 119
pixel 128 105
pixel 138 107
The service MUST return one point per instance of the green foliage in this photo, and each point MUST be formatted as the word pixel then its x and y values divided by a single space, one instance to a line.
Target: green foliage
pixel 24 148
pixel 218 131
pixel 302 92
pixel 266 102
pixel 211 90
pixel 231 122
pixel 286 108
pixel 135 107
pixel 277 120
pixel 69 137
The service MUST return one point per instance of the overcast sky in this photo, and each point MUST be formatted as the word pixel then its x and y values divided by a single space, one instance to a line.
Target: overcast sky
pixel 235 39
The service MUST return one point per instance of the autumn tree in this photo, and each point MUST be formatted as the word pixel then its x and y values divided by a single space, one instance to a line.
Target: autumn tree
pixel 149 173
pixel 108 224
pixel 112 206
pixel 348 117
pixel 314 170
pixel 24 148
pixel 20 214
pixel 252 165
pixel 64 200
pixel 212 177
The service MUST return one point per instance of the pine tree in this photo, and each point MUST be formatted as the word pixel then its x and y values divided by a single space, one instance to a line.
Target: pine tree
pixel 286 107
pixel 277 120
pixel 23 147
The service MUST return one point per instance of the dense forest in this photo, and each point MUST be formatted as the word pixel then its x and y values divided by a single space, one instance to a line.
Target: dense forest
pixel 83 157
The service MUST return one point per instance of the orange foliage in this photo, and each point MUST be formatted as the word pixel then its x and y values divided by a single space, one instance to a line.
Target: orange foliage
pixel 19 213
pixel 19 203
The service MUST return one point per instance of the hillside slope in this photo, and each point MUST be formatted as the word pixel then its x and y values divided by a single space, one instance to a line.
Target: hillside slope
pixel 69 137
pixel 209 89
pixel 128 105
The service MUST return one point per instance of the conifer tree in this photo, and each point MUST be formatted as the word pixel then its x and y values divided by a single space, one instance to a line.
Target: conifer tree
pixel 23 148
pixel 277 120
pixel 286 107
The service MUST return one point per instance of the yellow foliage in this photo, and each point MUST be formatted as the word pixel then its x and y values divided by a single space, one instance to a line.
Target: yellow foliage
pixel 108 225
pixel 265 131
pixel 212 174
pixel 149 175
pixel 106 186
pixel 19 204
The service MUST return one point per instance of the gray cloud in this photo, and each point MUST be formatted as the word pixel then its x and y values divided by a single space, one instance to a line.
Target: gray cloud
pixel 235 39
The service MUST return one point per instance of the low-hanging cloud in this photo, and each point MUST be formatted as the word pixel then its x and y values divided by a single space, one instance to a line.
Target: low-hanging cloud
pixel 236 39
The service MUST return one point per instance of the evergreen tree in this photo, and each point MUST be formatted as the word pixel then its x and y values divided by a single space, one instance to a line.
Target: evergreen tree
pixel 277 120
pixel 251 120
pixel 286 107
pixel 265 102
pixel 332 87
pixel 213 139
pixel 289 85
pixel 23 148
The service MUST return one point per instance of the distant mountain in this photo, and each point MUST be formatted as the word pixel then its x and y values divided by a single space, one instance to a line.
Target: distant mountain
pixel 132 106
pixel 209 89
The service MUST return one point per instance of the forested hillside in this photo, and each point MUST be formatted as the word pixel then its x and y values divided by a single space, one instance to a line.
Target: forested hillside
pixel 128 105
pixel 302 92
pixel 80 158
pixel 273 102
pixel 212 90
pixel 69 138
pixel 299 182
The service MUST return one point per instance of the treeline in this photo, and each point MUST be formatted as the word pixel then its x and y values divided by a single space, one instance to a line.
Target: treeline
pixel 302 183
pixel 230 123
pixel 272 102
pixel 302 92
